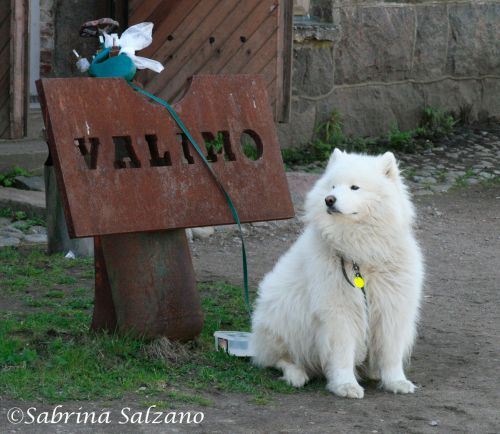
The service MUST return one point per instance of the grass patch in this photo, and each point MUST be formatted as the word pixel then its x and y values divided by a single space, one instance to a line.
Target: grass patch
pixel 21 220
pixel 461 181
pixel 47 352
pixel 32 269
pixel 441 175
pixel 491 182
pixel 7 179
pixel 435 123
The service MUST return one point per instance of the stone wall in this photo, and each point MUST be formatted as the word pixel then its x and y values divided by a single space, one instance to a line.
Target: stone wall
pixel 379 63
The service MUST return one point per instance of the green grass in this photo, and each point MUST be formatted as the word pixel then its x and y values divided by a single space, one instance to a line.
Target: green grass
pixel 7 179
pixel 47 352
pixel 441 175
pixel 491 182
pixel 33 269
pixel 216 147
pixel 435 123
pixel 21 220
pixel 409 172
pixel 461 181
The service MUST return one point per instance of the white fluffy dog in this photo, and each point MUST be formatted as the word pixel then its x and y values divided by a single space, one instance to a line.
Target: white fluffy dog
pixel 309 318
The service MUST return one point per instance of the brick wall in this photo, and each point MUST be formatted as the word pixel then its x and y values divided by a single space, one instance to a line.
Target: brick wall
pixel 47 36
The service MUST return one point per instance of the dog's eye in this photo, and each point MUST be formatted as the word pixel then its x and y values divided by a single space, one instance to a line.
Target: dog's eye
pixel 354 187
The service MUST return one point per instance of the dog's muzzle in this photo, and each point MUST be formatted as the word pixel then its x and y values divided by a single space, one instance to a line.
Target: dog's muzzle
pixel 330 204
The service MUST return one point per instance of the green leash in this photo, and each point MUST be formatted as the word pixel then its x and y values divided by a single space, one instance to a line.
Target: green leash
pixel 219 183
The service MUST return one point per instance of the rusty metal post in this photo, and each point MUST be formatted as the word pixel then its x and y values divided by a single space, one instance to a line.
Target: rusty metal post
pixel 57 231
pixel 152 283
pixel 104 315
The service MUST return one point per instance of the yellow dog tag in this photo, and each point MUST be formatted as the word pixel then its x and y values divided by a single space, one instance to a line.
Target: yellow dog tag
pixel 359 282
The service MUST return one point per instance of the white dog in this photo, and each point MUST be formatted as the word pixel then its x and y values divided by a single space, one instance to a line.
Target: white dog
pixel 309 318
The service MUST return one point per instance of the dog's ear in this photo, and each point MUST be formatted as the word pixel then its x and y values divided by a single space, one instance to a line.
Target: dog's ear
pixel 336 154
pixel 390 165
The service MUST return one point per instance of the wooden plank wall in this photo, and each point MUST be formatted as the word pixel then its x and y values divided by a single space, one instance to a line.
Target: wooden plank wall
pixel 217 37
pixel 4 68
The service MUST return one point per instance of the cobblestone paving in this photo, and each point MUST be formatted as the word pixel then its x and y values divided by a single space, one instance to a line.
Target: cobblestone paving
pixel 12 235
pixel 468 156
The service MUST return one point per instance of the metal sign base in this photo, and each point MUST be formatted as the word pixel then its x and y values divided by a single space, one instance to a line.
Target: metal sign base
pixel 161 300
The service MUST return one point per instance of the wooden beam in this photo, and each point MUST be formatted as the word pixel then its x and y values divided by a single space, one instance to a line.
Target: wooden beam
pixel 18 72
pixel 284 63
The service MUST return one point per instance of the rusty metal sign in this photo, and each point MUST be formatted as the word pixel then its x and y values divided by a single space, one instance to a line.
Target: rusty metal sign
pixel 124 166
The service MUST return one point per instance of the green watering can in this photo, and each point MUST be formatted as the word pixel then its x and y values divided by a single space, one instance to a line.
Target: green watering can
pixel 103 64
pixel 116 66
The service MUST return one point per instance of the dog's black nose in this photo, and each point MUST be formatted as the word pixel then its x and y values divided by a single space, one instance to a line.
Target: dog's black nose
pixel 330 201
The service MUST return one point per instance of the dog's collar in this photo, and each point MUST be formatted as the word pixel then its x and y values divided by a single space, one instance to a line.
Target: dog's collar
pixel 359 282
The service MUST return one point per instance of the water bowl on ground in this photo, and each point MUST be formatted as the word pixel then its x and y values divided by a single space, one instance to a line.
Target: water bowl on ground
pixel 233 343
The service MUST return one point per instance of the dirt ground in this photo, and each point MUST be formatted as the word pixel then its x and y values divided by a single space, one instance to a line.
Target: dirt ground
pixel 457 354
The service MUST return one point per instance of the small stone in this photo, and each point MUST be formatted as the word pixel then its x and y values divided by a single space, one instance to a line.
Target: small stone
pixel 4 221
pixel 487 164
pixel 486 175
pixel 12 231
pixel 34 183
pixel 202 233
pixel 36 238
pixel 442 188
pixel 8 241
pixel 429 180
pixel 231 228
pixel 421 192
pixel 264 225
pixel 433 423
pixel 37 230
pixel 472 181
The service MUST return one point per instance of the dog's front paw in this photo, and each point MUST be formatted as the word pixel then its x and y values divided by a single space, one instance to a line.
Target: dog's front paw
pixel 347 390
pixel 400 386
pixel 295 377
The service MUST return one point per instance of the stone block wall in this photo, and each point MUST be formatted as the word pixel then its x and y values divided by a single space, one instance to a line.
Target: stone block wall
pixel 379 63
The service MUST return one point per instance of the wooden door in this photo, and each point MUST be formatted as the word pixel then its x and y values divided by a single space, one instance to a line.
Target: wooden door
pixel 13 71
pixel 218 37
